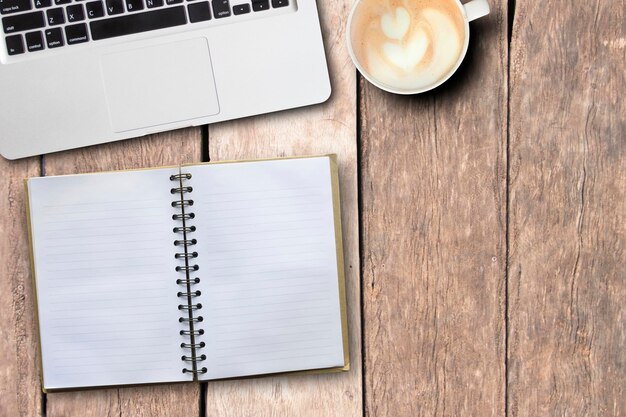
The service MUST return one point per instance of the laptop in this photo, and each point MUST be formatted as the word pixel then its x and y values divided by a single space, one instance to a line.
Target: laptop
pixel 75 73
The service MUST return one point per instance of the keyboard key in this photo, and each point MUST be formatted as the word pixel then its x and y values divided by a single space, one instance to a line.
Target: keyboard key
pixel 173 1
pixel 21 22
pixel 154 3
pixel 114 7
pixel 260 5
pixel 55 16
pixel 76 34
pixel 15 44
pixel 54 37
pixel 134 5
pixel 199 12
pixel 279 3
pixel 13 6
pixel 138 22
pixel 62 2
pixel 95 9
pixel 34 41
pixel 75 13
pixel 221 8
pixel 241 9
pixel 40 4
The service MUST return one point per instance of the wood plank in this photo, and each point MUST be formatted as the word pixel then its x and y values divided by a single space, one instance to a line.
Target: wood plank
pixel 171 148
pixel 434 238
pixel 327 128
pixel 567 210
pixel 20 388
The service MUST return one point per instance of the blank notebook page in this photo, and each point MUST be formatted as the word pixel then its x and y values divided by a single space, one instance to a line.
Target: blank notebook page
pixel 268 264
pixel 106 285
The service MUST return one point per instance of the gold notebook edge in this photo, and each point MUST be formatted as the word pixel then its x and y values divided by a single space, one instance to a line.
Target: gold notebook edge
pixel 334 175
pixel 31 249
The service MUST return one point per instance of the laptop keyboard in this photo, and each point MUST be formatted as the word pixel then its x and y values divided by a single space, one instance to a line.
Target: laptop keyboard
pixel 35 25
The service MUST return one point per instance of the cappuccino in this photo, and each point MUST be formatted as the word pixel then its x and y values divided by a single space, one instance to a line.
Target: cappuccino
pixel 408 44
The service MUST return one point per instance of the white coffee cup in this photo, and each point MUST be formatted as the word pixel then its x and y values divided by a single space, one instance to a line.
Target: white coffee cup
pixel 471 10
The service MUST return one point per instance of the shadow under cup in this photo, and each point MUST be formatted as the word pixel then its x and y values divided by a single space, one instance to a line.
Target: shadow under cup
pixel 401 50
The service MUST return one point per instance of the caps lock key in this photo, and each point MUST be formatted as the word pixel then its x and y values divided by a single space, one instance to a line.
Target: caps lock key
pixel 13 6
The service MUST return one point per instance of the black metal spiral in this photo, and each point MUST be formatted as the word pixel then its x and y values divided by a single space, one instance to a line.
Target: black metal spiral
pixel 186 256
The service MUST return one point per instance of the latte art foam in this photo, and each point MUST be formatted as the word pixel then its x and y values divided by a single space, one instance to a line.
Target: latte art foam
pixel 407 44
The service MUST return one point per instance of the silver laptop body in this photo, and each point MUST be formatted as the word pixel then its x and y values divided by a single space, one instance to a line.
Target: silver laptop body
pixel 73 73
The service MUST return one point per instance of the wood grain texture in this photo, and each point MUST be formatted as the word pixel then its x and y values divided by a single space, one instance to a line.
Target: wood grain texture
pixel 567 276
pixel 20 391
pixel 434 238
pixel 171 148
pixel 327 128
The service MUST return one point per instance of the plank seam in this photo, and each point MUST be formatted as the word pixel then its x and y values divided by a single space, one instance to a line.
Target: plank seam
pixel 42 165
pixel 202 399
pixel 359 203
pixel 204 146
pixel 511 16
pixel 511 5
pixel 44 405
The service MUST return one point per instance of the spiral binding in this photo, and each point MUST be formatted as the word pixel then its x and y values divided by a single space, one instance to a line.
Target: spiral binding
pixel 187 294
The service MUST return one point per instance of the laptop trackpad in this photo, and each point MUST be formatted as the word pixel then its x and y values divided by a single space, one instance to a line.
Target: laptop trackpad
pixel 160 84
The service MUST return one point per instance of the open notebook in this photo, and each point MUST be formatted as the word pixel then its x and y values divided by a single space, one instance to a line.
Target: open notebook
pixel 188 273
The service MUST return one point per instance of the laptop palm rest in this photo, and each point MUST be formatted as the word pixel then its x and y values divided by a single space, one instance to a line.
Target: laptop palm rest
pixel 142 90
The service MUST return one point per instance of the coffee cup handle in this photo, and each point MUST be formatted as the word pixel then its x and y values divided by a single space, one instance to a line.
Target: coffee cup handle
pixel 475 9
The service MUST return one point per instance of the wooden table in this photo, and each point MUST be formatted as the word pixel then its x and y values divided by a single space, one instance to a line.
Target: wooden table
pixel 485 230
